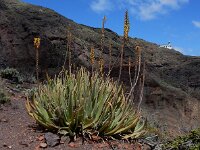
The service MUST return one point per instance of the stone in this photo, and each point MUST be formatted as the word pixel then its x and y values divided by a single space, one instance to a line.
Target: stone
pixel 43 145
pixel 146 147
pixel 64 139
pixel 52 139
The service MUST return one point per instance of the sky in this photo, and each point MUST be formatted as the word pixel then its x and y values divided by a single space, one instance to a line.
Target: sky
pixel 157 21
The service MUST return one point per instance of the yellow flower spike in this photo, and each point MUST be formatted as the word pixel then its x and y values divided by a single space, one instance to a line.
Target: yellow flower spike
pixel 126 26
pixel 37 42
pixel 125 39
pixel 37 46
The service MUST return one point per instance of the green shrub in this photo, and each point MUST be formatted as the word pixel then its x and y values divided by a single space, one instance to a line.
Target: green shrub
pixel 30 92
pixel 11 74
pixel 3 97
pixel 187 142
pixel 85 104
pixel 28 78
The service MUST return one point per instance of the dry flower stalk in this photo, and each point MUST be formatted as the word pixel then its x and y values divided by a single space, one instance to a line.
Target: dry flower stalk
pixel 101 65
pixel 137 70
pixel 125 39
pixel 138 54
pixel 110 55
pixel 137 59
pixel 129 69
pixel 102 35
pixel 37 46
pixel 126 26
pixel 68 50
pixel 141 86
pixel 92 57
pixel 37 42
pixel 69 41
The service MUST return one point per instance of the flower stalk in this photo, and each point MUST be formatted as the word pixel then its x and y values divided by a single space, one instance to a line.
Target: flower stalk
pixel 37 46
pixel 92 57
pixel 102 36
pixel 125 39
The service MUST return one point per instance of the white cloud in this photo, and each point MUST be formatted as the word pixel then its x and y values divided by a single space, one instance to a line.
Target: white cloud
pixel 144 9
pixel 150 9
pixel 101 5
pixel 196 23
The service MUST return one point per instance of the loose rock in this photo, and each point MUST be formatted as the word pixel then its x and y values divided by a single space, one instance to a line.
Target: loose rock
pixel 43 145
pixel 52 139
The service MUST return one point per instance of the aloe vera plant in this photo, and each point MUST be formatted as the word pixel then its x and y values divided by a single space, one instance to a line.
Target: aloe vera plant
pixel 82 103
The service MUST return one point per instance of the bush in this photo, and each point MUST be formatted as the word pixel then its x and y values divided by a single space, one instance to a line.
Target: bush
pixel 11 74
pixel 30 92
pixel 187 142
pixel 3 97
pixel 85 104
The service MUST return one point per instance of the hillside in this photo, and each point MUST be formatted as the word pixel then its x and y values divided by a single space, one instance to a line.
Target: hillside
pixel 172 86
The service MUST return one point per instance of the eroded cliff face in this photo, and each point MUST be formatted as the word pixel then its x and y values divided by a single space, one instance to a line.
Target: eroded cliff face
pixel 172 86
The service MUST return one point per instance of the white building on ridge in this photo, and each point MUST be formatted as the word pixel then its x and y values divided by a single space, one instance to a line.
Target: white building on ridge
pixel 169 46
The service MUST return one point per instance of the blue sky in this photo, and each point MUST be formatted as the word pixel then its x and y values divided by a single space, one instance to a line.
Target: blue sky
pixel 157 21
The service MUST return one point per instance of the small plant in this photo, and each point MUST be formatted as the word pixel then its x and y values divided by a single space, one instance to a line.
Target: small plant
pixel 11 74
pixel 3 97
pixel 30 93
pixel 187 142
pixel 29 78
pixel 85 104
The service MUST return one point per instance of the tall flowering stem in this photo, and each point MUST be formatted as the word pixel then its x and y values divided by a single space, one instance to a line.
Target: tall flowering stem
pixel 101 66
pixel 142 79
pixel 110 55
pixel 92 57
pixel 102 36
pixel 129 69
pixel 69 41
pixel 68 52
pixel 126 26
pixel 125 39
pixel 137 70
pixel 37 46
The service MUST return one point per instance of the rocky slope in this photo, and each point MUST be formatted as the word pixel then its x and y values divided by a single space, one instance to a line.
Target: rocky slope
pixel 172 87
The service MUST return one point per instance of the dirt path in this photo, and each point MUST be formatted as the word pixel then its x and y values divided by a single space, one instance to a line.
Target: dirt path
pixel 15 126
